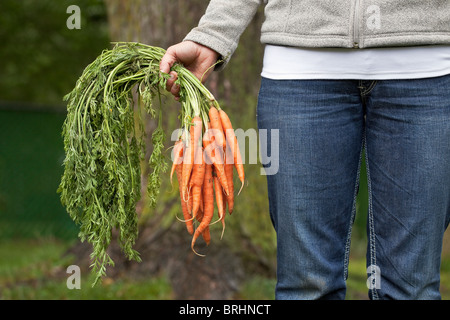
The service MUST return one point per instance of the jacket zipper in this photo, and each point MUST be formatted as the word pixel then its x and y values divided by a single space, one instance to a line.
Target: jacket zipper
pixel 356 19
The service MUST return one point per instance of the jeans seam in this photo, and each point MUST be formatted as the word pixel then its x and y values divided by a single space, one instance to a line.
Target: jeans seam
pixel 365 91
pixel 371 226
pixel 353 214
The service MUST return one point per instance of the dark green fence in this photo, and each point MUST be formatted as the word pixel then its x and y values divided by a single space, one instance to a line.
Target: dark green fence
pixel 31 156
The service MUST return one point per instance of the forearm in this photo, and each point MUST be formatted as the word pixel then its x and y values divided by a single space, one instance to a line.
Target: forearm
pixel 222 24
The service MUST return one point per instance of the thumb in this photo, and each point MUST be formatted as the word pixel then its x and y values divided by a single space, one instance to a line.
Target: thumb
pixel 167 61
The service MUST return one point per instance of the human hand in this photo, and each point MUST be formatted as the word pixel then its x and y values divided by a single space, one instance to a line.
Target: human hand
pixel 195 57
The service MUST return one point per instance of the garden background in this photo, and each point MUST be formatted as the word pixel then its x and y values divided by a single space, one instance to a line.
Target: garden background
pixel 41 60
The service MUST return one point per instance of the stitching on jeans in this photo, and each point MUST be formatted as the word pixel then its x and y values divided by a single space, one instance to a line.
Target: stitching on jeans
pixel 371 86
pixel 365 91
pixel 352 218
pixel 373 256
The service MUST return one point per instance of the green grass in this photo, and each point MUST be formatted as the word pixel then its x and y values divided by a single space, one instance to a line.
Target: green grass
pixel 36 270
pixel 257 288
pixel 445 277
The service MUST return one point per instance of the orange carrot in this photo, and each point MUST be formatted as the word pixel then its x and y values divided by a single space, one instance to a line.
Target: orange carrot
pixel 177 156
pixel 196 181
pixel 219 167
pixel 199 215
pixel 224 204
pixel 208 205
pixel 195 133
pixel 188 164
pixel 198 171
pixel 201 208
pixel 219 201
pixel 233 145
pixel 213 154
pixel 196 198
pixel 206 142
pixel 206 235
pixel 229 173
pixel 216 125
pixel 184 207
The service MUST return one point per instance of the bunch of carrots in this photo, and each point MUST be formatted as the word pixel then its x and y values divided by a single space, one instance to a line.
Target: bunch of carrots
pixel 204 161
pixel 105 144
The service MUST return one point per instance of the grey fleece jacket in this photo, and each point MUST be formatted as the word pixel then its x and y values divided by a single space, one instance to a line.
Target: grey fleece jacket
pixel 326 23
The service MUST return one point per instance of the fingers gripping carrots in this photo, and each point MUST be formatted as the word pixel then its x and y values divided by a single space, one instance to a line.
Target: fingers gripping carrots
pixel 204 163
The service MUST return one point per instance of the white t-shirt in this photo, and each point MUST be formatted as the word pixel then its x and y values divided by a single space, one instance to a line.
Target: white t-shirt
pixel 363 64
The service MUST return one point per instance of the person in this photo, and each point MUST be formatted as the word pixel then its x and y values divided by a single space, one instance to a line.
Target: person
pixel 340 77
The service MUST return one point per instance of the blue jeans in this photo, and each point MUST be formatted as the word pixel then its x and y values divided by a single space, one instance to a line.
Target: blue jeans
pixel 324 125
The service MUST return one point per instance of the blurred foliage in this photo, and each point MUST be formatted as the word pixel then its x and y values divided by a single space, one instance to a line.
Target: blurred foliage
pixel 31 155
pixel 42 58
